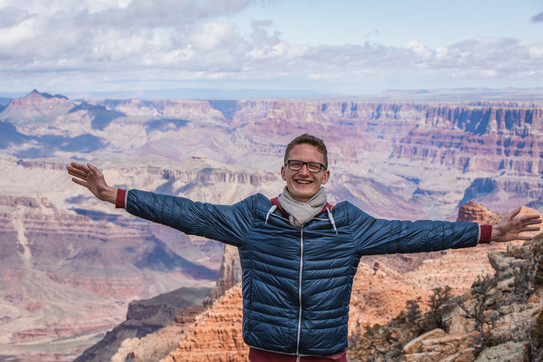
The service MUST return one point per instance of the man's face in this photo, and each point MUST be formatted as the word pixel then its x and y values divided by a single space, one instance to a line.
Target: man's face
pixel 302 184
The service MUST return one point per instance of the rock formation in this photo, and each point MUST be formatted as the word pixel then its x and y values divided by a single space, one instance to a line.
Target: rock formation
pixel 36 108
pixel 400 160
pixel 229 274
pixel 421 145
pixel 219 309
pixel 145 317
pixel 67 281
pixel 513 304
pixel 477 137
pixel 509 305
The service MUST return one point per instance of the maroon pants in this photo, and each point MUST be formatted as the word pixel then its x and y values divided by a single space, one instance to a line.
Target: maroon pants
pixel 258 355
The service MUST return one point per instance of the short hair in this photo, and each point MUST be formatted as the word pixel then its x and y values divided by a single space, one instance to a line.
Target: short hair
pixel 311 140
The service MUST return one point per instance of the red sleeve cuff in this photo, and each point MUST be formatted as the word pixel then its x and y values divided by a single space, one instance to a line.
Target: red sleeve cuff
pixel 486 234
pixel 120 203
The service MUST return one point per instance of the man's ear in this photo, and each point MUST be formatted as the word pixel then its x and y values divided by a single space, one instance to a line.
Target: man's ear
pixel 326 176
pixel 283 174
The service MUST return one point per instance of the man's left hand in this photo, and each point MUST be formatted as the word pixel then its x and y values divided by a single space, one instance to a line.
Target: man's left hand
pixel 511 227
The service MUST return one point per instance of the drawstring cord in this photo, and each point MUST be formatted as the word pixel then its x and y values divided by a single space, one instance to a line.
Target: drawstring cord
pixel 331 219
pixel 272 209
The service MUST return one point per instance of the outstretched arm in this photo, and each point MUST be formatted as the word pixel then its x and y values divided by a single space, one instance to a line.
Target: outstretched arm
pixel 511 227
pixel 227 223
pixel 92 178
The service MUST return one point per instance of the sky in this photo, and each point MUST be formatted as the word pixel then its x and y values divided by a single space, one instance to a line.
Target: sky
pixel 291 47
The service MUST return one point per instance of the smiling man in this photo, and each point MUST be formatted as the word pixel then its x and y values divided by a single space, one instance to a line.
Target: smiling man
pixel 298 253
pixel 305 182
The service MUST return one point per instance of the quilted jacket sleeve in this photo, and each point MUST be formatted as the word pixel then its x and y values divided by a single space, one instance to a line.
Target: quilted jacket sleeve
pixel 378 236
pixel 227 223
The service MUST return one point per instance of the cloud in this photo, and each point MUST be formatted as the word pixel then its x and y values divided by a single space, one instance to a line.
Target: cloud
pixel 175 14
pixel 118 32
pixel 537 18
pixel 506 56
pixel 170 41
pixel 11 16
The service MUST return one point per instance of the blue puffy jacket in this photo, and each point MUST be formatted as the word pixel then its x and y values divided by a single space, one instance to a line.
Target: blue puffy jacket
pixel 297 281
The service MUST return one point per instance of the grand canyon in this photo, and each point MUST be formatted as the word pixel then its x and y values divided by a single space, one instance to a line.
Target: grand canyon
pixel 82 280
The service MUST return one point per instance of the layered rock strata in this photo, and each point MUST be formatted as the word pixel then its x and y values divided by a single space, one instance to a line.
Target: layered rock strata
pixel 145 317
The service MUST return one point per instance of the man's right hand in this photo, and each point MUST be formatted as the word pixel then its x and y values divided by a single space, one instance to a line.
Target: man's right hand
pixel 93 179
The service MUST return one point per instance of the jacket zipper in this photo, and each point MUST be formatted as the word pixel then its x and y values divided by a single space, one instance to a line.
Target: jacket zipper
pixel 300 292
pixel 300 277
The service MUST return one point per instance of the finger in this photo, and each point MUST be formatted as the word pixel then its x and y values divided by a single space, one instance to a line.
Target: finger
pixel 77 173
pixel 531 222
pixel 514 213
pixel 530 217
pixel 79 166
pixel 94 170
pixel 80 182
pixel 531 228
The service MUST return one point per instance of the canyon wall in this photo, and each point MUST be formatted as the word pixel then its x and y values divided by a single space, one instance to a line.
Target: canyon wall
pixel 71 264
pixel 488 138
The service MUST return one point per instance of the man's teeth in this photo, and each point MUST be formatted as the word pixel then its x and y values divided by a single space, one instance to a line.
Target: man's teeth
pixel 303 182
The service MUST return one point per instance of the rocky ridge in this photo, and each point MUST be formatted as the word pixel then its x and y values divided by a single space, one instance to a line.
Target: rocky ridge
pixel 36 107
pixel 221 151
pixel 477 137
pixel 514 318
pixel 60 281
pixel 423 144
pixel 64 269
pixel 511 304
pixel 225 296
pixel 148 316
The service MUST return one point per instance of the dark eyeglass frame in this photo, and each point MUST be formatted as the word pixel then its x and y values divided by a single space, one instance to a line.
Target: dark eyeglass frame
pixel 308 165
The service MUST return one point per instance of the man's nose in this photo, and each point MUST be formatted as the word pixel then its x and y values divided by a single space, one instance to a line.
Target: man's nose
pixel 304 170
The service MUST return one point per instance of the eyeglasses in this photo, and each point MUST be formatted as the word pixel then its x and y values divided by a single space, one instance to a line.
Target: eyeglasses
pixel 312 167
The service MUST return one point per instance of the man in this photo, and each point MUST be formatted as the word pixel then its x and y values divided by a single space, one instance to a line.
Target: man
pixel 298 253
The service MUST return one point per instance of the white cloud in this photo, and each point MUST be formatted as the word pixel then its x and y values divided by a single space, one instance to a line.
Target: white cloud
pixel 489 73
pixel 210 35
pixel 420 49
pixel 11 16
pixel 175 40
pixel 536 51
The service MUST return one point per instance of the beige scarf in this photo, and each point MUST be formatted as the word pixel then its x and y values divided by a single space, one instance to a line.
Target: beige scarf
pixel 301 212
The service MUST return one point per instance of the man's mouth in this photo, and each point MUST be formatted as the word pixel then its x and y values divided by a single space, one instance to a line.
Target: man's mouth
pixel 303 182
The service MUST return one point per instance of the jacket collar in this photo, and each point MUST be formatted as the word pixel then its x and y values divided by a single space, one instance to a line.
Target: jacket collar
pixel 275 201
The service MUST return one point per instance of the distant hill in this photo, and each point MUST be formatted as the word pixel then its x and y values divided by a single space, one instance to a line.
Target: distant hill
pixel 4 102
